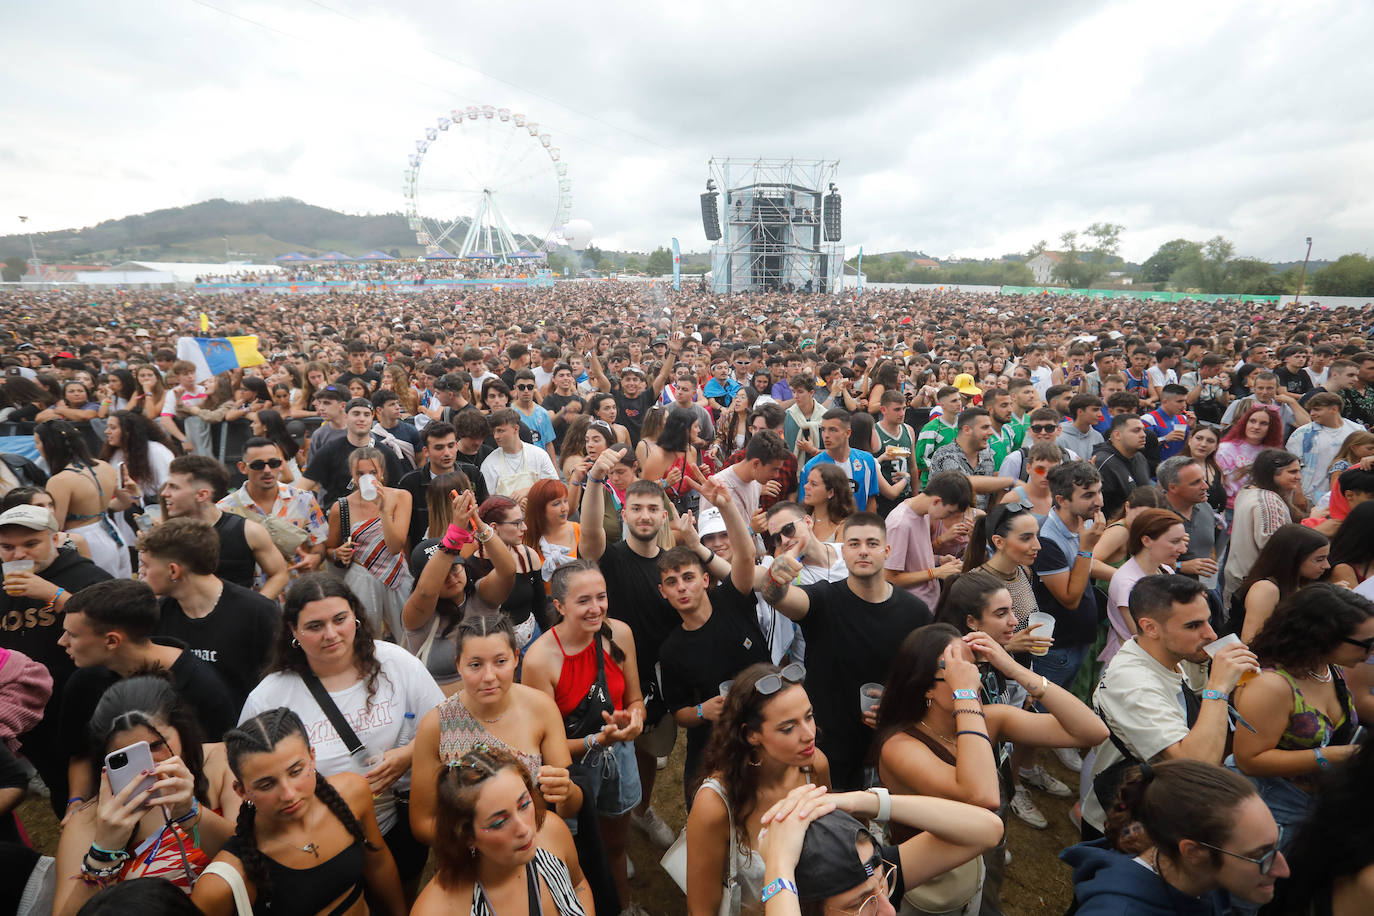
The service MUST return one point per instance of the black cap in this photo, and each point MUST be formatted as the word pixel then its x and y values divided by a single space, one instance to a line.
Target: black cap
pixel 329 393
pixel 829 862
pixel 358 402
pixel 423 551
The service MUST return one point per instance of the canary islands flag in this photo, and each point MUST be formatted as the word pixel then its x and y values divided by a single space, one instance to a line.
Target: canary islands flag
pixel 213 355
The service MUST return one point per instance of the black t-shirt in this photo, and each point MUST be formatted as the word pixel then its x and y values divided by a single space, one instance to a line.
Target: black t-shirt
pixel 630 411
pixel 371 378
pixel 850 642
pixel 328 467
pixel 406 432
pixel 633 596
pixel 695 662
pixel 236 637
pixel 553 404
pixel 200 686
pixel 1298 383
pixel 1072 626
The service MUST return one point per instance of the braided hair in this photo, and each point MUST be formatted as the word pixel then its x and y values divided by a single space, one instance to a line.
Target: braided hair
pixel 62 444
pixel 260 735
pixel 559 592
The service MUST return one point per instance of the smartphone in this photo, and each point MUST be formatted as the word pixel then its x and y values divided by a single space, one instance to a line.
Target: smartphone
pixel 127 764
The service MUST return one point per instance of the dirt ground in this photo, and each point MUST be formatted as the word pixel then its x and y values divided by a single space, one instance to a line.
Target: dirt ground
pixel 1037 884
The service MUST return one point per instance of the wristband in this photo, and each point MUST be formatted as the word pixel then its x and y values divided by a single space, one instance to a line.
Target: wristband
pixel 965 693
pixel 195 809
pixel 1210 694
pixel 484 534
pixel 884 803
pixel 457 537
pixel 775 887
pixel 595 479
pixel 1085 554
pixel 1322 762
pixel 969 731
pixel 52 602
pixel 101 854
pixel 971 712
pixel 699 714
pixel 74 799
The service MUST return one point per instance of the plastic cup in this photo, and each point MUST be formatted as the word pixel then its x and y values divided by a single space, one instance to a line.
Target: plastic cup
pixel 1046 630
pixel 725 687
pixel 870 695
pixel 1230 639
pixel 14 567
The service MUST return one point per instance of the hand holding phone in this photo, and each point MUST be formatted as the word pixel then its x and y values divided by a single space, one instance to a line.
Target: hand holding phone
pixel 128 764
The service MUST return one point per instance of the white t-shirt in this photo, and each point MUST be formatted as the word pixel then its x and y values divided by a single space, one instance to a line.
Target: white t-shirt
pixel 403 686
pixel 1160 377
pixel 782 632
pixel 1142 702
pixel 533 463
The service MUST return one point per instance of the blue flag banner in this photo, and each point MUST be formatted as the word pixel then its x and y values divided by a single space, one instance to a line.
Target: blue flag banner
pixel 677 266
pixel 213 355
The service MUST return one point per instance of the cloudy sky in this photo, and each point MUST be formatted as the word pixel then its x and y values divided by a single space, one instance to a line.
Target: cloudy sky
pixel 970 129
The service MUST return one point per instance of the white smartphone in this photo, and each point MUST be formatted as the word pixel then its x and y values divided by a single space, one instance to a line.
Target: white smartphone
pixel 127 764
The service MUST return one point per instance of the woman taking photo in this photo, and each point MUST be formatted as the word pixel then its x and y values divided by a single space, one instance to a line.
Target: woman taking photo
pixel 1257 429
pixel 1157 540
pixel 547 530
pixel 82 491
pixel 119 836
pixel 490 710
pixel 304 844
pixel 829 499
pixel 368 538
pixel 1295 557
pixel 326 650
pixel 498 850
pixel 935 736
pixel 1209 839
pixel 443 594
pixel 587 664
pixel 1262 507
pixel 1301 711
pixel 271 424
pixel 1202 445
pixel 526 605
pixel 762 746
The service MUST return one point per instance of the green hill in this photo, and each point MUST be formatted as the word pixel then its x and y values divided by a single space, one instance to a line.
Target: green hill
pixel 257 230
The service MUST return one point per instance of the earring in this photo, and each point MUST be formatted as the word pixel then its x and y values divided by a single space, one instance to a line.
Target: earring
pixel 753 752
pixel 472 851
pixel 295 644
pixel 248 802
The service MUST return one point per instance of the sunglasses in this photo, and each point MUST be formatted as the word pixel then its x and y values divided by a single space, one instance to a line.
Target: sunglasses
pixel 1365 644
pixel 1043 427
pixel 770 684
pixel 787 531
pixel 524 387
pixel 272 463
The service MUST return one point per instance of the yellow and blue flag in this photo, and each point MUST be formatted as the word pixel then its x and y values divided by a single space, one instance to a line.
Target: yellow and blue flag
pixel 213 355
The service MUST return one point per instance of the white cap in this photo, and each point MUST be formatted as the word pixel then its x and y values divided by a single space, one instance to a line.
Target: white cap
pixel 710 521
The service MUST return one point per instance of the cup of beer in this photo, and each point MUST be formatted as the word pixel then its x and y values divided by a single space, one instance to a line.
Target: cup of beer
pixel 1045 631
pixel 1230 639
pixel 870 695
pixel 12 569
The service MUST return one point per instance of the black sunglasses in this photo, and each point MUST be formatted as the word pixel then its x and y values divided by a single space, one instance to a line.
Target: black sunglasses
pixel 1043 427
pixel 261 463
pixel 770 684
pixel 787 531
pixel 1365 644
pixel 524 387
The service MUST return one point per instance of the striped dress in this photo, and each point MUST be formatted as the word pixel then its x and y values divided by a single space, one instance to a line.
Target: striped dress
pixel 554 874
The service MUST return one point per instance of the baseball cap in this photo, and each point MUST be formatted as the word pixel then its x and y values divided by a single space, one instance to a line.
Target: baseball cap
pixel 358 402
pixel 37 518
pixel 710 522
pixel 423 551
pixel 329 393
pixel 829 863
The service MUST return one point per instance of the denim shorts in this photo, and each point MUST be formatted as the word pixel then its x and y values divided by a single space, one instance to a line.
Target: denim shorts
pixel 614 777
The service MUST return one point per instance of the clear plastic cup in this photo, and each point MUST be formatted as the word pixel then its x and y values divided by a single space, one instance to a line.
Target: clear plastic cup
pixel 14 567
pixel 1046 630
pixel 1230 639
pixel 870 695
pixel 367 487
pixel 725 687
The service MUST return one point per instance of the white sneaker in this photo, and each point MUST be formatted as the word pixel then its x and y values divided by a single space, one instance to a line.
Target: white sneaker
pixel 629 868
pixel 661 763
pixel 1024 808
pixel 1069 758
pixel 652 826
pixel 1038 778
pixel 1006 856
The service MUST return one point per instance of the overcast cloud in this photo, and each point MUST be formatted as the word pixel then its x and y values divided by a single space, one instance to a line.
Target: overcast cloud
pixel 962 129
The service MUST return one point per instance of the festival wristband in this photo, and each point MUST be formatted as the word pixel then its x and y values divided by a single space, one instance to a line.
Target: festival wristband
pixel 965 693
pixel 777 886
pixel 1210 694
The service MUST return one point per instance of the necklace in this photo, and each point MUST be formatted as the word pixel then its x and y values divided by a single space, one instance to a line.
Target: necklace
pixel 512 467
pixel 945 738
pixel 310 848
pixel 1007 577
pixel 1320 679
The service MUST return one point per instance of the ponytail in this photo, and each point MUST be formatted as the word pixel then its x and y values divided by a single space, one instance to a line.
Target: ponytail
pixel 1174 801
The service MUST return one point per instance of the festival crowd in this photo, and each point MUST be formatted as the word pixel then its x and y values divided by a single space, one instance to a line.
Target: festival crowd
pixel 422 635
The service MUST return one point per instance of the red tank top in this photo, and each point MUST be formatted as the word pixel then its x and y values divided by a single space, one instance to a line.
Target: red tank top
pixel 579 673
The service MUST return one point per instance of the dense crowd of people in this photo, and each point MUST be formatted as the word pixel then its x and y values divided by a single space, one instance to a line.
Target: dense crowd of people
pixel 378 270
pixel 888 565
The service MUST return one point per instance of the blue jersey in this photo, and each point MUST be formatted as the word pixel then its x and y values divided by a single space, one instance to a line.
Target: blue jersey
pixel 861 469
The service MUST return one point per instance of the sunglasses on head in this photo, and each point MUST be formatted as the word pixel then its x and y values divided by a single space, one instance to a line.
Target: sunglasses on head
pixel 770 684
pixel 261 463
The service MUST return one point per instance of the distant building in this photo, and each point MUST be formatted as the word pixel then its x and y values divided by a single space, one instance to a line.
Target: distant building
pixel 1042 266
pixel 925 262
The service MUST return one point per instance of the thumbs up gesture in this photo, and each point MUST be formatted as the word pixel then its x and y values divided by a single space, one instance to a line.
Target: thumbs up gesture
pixel 787 566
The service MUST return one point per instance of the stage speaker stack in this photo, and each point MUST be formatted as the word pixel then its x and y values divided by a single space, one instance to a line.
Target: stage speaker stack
pixel 831 217
pixel 710 216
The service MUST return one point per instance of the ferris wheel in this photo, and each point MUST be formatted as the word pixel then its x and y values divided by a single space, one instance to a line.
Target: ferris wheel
pixel 486 183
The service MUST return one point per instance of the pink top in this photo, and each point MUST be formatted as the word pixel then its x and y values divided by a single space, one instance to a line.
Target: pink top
pixel 1235 458
pixel 1118 598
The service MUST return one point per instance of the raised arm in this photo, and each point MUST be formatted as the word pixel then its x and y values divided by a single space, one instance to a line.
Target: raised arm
pixel 775 585
pixel 591 541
